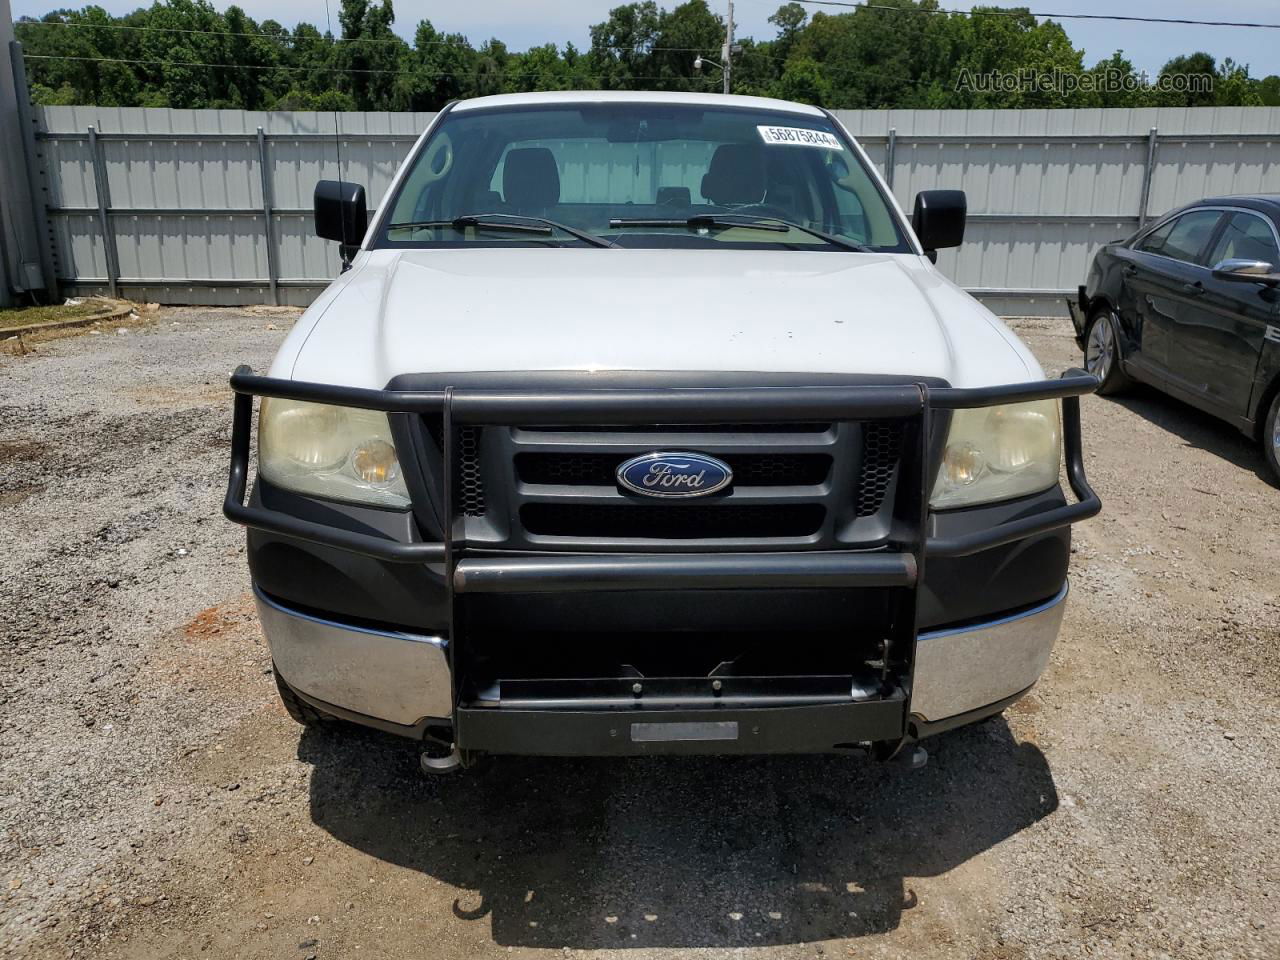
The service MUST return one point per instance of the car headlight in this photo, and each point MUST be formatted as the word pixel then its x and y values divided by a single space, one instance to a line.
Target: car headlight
pixel 338 452
pixel 996 453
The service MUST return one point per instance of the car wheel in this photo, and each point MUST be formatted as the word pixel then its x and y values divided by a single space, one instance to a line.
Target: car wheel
pixel 1271 437
pixel 301 711
pixel 1102 353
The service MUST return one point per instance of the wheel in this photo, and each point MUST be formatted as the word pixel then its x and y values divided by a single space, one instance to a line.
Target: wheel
pixel 301 711
pixel 1102 352
pixel 1271 437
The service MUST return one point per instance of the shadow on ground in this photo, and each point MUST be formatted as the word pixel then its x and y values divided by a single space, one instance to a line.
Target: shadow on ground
pixel 680 852
pixel 1196 428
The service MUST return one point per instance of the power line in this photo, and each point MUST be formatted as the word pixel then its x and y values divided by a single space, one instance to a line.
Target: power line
pixel 1022 12
pixel 286 37
pixel 445 73
pixel 327 37
pixel 362 70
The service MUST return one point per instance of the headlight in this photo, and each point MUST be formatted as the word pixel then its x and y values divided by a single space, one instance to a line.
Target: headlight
pixel 337 452
pixel 996 453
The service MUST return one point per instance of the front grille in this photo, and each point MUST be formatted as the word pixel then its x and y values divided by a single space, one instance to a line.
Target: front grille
pixel 669 522
pixel 881 450
pixel 599 469
pixel 470 476
pixel 821 484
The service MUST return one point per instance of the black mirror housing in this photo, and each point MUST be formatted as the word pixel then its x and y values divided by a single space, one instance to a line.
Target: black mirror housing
pixel 341 212
pixel 939 218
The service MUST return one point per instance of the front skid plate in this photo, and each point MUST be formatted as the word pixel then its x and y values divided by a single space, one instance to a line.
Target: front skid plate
pixel 820 728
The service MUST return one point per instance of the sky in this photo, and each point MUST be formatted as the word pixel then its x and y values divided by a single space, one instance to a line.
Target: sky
pixel 525 23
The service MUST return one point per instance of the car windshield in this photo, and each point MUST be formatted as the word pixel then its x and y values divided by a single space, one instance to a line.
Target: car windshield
pixel 640 175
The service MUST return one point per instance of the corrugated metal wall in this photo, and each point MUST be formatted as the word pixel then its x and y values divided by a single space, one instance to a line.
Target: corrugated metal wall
pixel 1046 188
pixel 183 190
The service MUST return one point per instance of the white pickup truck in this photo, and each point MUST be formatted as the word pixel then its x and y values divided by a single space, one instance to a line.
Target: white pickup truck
pixel 644 423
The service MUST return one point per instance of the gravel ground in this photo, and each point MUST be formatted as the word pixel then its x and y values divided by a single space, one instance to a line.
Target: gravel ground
pixel 159 803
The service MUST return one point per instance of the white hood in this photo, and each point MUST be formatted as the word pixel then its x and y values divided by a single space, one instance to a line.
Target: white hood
pixel 491 309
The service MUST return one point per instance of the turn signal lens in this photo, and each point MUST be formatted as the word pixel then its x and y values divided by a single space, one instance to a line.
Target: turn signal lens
pixel 962 464
pixel 374 461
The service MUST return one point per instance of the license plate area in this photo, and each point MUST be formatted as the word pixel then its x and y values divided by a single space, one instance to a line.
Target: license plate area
pixel 684 732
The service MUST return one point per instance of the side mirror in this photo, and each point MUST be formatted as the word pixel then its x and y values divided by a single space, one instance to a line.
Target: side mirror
pixel 1246 271
pixel 938 219
pixel 341 213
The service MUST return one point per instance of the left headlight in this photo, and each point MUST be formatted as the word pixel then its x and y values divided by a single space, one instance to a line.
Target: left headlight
pixel 338 452
pixel 997 453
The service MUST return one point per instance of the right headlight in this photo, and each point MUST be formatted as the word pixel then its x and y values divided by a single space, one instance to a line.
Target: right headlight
pixel 339 452
pixel 997 453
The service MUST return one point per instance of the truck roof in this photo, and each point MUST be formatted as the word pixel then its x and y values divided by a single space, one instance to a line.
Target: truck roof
pixel 571 97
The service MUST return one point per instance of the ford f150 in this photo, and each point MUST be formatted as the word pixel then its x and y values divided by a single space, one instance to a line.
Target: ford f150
pixel 644 423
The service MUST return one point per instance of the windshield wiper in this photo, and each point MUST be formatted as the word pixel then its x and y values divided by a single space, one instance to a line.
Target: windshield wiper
pixel 746 221
pixel 509 222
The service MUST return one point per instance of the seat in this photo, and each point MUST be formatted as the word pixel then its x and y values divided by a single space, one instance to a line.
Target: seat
pixel 530 179
pixel 736 175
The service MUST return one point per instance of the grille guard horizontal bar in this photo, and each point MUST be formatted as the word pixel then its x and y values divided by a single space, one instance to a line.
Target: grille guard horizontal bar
pixel 753 404
pixel 585 574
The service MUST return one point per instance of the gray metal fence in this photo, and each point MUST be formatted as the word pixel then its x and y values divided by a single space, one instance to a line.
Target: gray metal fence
pixel 213 206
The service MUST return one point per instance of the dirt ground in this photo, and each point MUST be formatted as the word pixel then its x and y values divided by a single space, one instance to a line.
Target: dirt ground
pixel 157 801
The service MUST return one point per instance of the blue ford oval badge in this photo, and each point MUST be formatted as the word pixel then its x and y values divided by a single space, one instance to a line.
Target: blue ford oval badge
pixel 674 475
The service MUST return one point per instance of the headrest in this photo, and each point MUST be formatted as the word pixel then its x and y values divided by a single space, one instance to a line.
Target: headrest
pixel 736 175
pixel 530 178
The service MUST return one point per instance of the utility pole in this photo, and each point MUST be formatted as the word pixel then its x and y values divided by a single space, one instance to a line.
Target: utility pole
pixel 726 53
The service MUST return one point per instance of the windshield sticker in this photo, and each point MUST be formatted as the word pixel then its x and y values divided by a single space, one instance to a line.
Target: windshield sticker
pixel 799 137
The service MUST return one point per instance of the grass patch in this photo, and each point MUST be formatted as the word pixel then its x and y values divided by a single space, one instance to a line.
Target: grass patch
pixel 26 316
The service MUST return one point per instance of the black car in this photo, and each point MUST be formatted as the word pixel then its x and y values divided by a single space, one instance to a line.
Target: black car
pixel 1190 304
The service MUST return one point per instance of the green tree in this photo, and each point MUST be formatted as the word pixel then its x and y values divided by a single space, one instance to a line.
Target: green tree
pixel 621 47
pixel 789 19
pixel 440 68
pixel 894 53
pixel 371 55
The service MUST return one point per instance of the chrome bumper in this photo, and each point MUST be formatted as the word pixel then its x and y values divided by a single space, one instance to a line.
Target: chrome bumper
pixel 968 668
pixel 399 678
pixel 403 678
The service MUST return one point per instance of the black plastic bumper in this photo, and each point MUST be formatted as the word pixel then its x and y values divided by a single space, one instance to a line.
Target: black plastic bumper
pixel 819 728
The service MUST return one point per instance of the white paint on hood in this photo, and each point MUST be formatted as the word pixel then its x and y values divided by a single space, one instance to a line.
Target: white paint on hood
pixel 530 309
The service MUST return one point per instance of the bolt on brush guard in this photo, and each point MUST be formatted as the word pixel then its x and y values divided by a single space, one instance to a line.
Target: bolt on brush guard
pixel 801 709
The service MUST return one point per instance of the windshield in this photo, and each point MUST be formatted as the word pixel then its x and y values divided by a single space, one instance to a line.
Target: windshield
pixel 639 175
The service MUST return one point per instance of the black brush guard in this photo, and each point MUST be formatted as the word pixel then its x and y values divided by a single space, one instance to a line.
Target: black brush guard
pixel 619 716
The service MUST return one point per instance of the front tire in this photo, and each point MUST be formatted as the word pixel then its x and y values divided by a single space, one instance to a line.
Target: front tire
pixel 301 711
pixel 1102 353
pixel 1271 437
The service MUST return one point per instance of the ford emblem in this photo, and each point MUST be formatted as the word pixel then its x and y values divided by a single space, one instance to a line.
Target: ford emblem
pixel 674 475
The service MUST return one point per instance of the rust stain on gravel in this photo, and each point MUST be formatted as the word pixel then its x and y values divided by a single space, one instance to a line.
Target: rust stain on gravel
pixel 221 619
